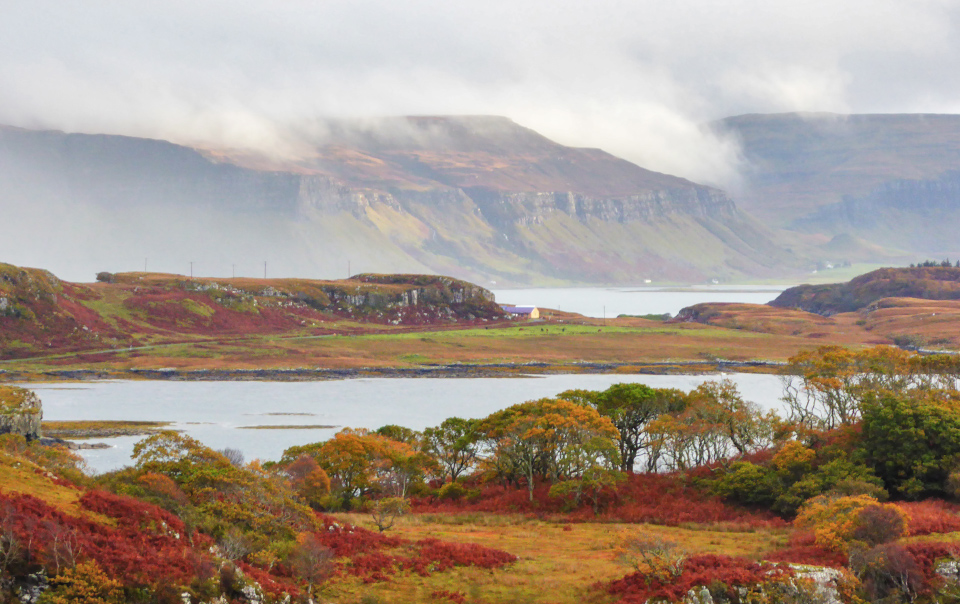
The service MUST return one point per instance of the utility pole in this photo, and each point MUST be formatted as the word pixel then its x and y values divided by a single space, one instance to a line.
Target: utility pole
pixel 264 269
pixel 233 271
pixel 144 265
pixel 191 269
pixel 348 269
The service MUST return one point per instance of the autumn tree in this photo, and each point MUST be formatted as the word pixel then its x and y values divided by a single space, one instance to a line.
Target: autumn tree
pixel 255 499
pixel 631 407
pixel 825 388
pixel 454 444
pixel 745 427
pixel 360 463
pixel 549 439
pixel 309 480
pixel 400 434
pixel 311 561
pixel 184 459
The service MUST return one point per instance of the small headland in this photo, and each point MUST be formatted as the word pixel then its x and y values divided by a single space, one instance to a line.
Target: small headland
pixel 916 308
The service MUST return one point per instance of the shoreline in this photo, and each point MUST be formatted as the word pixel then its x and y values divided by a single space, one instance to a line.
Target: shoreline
pixel 452 370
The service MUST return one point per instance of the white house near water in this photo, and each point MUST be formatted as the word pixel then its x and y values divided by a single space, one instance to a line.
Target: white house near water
pixel 527 312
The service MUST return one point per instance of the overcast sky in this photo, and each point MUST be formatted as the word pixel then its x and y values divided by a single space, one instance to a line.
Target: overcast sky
pixel 633 77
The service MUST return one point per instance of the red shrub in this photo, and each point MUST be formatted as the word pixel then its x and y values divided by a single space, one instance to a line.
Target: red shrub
pixel 126 553
pixel 438 556
pixel 801 549
pixel 931 516
pixel 373 556
pixel 653 498
pixel 131 513
pixel 701 570
pixel 375 564
pixel 808 554
pixel 271 583
pixel 453 596
pixel 347 540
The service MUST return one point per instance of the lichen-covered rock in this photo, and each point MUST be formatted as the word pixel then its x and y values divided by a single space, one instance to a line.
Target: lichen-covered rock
pixel 20 412
pixel 31 587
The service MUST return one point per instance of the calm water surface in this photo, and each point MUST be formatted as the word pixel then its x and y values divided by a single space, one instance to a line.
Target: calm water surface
pixel 215 412
pixel 595 301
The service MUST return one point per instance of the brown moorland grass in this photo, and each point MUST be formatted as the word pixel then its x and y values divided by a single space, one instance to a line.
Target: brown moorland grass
pixel 558 562
pixel 633 341
pixel 719 331
pixel 886 321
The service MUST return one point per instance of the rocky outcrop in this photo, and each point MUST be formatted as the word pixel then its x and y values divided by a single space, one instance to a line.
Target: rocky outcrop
pixel 922 197
pixel 20 412
pixel 524 209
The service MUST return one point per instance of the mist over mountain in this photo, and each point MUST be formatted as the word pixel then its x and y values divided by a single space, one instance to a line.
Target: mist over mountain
pixel 888 181
pixel 476 197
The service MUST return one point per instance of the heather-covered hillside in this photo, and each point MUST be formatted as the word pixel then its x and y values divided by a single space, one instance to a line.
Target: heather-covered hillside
pixel 928 283
pixel 42 315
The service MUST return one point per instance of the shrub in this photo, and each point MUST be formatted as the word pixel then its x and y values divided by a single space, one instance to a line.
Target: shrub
pixel 84 584
pixel 889 571
pixel 385 511
pixel 452 491
pixel 879 523
pixel 836 521
pixel 931 516
pixel 724 576
pixel 654 557
pixel 311 561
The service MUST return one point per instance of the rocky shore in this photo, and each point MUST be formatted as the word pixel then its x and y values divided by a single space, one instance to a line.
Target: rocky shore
pixel 453 370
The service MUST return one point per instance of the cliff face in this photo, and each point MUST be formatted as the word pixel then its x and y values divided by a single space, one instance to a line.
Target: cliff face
pixel 476 197
pixel 20 412
pixel 912 214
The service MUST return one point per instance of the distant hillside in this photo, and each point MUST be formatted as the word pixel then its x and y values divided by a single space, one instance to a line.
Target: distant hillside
pixel 480 198
pixel 890 180
pixel 40 314
pixel 929 283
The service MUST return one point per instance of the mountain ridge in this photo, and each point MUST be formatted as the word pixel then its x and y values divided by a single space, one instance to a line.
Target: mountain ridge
pixel 406 198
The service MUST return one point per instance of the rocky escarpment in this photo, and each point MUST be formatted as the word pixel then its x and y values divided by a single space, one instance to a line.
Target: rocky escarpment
pixel 913 214
pixel 362 295
pixel 525 209
pixel 20 412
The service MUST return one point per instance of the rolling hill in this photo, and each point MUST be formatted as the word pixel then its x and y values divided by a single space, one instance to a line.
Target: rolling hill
pixel 42 315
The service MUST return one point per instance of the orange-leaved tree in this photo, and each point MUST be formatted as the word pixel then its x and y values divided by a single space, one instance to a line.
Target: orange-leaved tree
pixel 550 439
